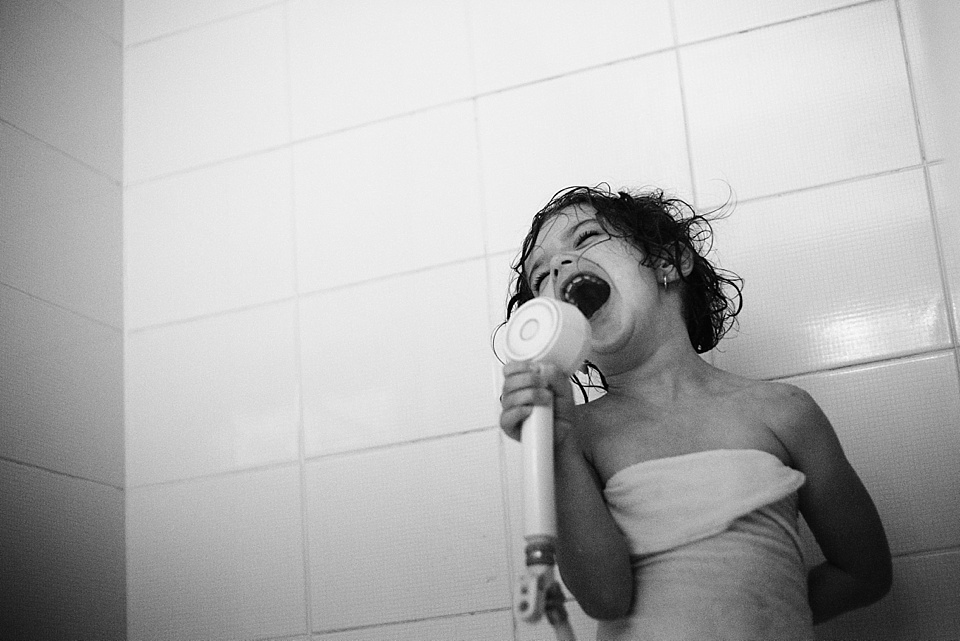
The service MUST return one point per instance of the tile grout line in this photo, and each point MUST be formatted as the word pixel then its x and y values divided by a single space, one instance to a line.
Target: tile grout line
pixel 683 104
pixel 60 473
pixel 298 340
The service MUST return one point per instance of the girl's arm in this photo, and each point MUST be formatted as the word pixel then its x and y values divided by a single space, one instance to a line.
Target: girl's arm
pixel 592 553
pixel 838 509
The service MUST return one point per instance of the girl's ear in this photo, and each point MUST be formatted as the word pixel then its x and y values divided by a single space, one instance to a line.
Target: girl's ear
pixel 673 272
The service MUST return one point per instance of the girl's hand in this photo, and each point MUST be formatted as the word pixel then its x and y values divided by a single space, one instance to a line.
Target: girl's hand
pixel 528 383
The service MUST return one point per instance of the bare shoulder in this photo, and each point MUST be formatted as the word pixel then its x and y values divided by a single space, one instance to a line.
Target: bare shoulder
pixel 784 407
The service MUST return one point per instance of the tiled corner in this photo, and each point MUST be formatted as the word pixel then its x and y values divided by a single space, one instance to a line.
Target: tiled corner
pixel 921 605
pixel 943 180
pixel 799 104
pixel 61 556
pixel 205 95
pixel 898 422
pixel 57 72
pixel 60 228
pixel 396 359
pixel 358 62
pixel 582 129
pixel 833 276
pixel 149 19
pixel 217 558
pixel 407 532
pixel 698 20
pixel 209 240
pixel 930 68
pixel 212 395
pixel 507 52
pixel 384 198
pixel 61 402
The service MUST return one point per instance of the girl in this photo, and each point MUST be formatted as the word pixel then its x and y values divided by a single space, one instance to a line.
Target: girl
pixel 678 489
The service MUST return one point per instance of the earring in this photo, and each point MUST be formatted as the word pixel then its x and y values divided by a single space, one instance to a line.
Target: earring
pixel 664 283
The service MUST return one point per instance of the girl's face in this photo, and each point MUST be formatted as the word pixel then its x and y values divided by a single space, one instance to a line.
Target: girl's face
pixel 574 259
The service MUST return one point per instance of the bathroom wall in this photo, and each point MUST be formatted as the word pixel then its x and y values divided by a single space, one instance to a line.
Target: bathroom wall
pixel 61 321
pixel 320 203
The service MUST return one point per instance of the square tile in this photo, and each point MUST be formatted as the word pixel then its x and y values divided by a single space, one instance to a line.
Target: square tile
pixel 833 276
pixel 424 524
pixel 361 61
pixel 371 352
pixel 508 52
pixel 61 556
pixel 897 422
pixel 799 104
pixel 539 139
pixel 209 240
pixel 421 209
pixel 61 401
pixel 217 558
pixel 212 395
pixel 205 95
pixel 61 233
pixel 60 80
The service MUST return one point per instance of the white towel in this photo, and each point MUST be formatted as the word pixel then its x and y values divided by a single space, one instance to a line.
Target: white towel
pixel 667 502
pixel 715 550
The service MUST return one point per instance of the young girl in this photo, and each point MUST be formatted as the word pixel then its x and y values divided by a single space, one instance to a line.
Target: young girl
pixel 678 489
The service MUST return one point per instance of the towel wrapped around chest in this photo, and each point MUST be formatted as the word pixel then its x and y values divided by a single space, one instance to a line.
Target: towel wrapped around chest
pixel 714 546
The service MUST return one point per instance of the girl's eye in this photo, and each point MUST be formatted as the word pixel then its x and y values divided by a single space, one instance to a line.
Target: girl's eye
pixel 537 282
pixel 586 235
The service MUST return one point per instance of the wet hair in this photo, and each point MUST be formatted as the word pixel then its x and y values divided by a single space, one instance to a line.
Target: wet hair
pixel 665 230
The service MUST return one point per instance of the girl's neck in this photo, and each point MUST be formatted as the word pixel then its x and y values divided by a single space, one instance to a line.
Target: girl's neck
pixel 663 375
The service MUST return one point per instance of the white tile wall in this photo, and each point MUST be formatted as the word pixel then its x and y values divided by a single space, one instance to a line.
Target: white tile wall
pixel 799 104
pixel 148 19
pixel 212 395
pixel 697 20
pixel 356 62
pixel 388 198
pixel 921 605
pixel 622 124
pixel 57 71
pixel 396 359
pixel 833 276
pixel 217 558
pixel 61 401
pixel 898 424
pixel 209 240
pixel 205 95
pixel 483 626
pixel 60 228
pixel 61 554
pixel 518 42
pixel 406 533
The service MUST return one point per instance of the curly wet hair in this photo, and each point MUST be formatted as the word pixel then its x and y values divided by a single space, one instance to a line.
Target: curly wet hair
pixel 664 230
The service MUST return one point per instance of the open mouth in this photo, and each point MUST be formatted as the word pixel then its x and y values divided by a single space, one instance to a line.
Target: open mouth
pixel 587 292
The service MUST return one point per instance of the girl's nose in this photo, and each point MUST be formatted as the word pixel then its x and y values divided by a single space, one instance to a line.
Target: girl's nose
pixel 558 261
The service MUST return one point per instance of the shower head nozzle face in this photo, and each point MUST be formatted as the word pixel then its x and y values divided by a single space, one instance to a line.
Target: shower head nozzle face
pixel 544 329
